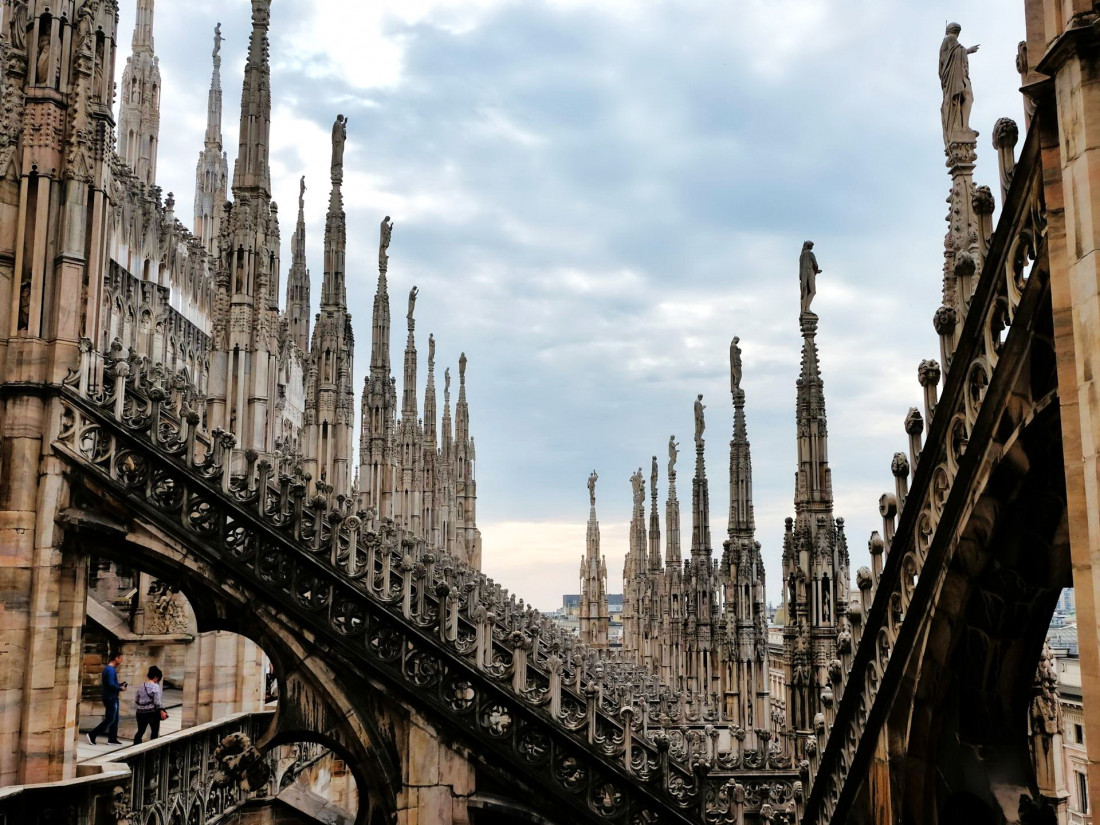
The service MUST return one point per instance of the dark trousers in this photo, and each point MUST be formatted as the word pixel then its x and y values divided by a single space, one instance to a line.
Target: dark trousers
pixel 147 719
pixel 109 725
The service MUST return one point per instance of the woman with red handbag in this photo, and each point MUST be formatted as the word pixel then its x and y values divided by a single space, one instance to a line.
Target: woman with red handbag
pixel 149 702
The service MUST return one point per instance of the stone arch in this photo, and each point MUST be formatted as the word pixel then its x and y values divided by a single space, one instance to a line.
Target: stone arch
pixel 957 738
pixel 317 701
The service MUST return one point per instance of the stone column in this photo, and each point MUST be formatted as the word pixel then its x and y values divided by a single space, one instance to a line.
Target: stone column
pixel 1069 115
pixel 224 675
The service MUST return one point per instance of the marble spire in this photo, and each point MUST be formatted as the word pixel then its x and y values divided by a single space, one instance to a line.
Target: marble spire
pixel 252 172
pixel 329 413
pixel 378 426
pixel 139 109
pixel 815 555
pixel 143 27
pixel 655 563
pixel 741 521
pixel 212 169
pixel 297 282
pixel 700 494
pixel 594 615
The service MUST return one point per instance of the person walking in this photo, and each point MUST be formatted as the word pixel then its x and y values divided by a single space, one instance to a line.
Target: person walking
pixel 149 702
pixel 112 687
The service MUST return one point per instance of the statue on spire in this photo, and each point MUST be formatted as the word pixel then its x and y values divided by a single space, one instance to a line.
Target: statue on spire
pixel 958 96
pixel 653 477
pixel 592 479
pixel 431 349
pixel 302 194
pixel 218 42
pixel 735 365
pixel 447 381
pixel 672 453
pixel 462 368
pixel 700 424
pixel 339 137
pixel 637 481
pixel 808 271
pixel 384 242
pixel 412 303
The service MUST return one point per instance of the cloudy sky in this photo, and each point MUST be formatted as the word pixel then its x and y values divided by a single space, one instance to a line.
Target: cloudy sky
pixel 594 196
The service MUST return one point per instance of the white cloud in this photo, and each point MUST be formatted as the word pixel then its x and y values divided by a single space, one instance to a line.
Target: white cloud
pixel 595 195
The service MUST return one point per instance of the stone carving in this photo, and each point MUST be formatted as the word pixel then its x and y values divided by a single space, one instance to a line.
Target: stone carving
pixel 120 806
pixel 700 424
pixel 166 611
pixel 1036 811
pixel 808 271
pixel 218 45
pixel 735 365
pixel 412 303
pixel 672 453
pixel 637 481
pixel 592 479
pixel 239 764
pixel 1046 711
pixel 339 138
pixel 43 74
pixel 17 25
pixel 958 97
pixel 384 242
pixel 447 381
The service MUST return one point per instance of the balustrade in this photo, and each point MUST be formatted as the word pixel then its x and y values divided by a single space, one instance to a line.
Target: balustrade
pixel 180 777
pixel 933 483
pixel 448 634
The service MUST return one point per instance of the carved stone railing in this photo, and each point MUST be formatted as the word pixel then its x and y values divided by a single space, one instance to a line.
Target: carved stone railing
pixel 177 778
pixel 919 546
pixel 596 733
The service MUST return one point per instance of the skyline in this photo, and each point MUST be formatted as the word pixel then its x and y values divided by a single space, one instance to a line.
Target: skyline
pixel 592 241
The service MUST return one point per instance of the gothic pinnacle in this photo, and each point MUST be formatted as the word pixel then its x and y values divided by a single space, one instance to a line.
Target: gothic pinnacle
pixel 252 171
pixel 143 27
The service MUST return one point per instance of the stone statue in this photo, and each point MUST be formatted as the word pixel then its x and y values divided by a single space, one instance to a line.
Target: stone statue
pixel 592 479
pixel 672 453
pixel 1046 710
pixel 43 74
pixel 17 25
pixel 637 481
pixel 218 41
pixel 82 38
pixel 431 348
pixel 339 137
pixel 958 97
pixel 735 365
pixel 447 380
pixel 700 425
pixel 808 271
pixel 412 303
pixel 384 241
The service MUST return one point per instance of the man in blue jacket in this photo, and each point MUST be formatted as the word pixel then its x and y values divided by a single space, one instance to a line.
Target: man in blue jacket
pixel 112 687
